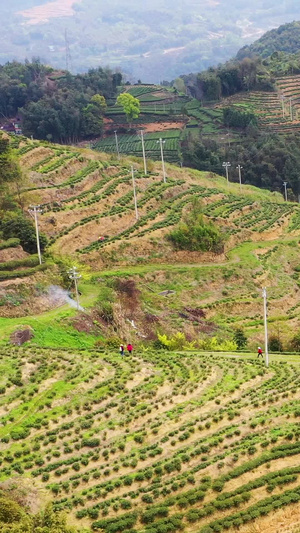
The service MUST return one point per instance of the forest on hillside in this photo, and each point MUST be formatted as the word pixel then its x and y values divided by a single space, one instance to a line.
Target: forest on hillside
pixel 267 161
pixel 56 106
pixel 286 38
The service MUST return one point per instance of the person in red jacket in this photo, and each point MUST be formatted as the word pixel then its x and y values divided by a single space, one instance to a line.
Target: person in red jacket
pixel 129 348
pixel 259 352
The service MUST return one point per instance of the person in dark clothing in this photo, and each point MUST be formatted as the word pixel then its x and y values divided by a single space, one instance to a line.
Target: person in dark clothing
pixel 122 350
pixel 129 348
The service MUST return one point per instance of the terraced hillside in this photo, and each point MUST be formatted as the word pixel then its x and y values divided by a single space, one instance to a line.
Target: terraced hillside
pixel 162 115
pixel 85 197
pixel 178 440
pixel 153 442
pixel 174 117
pixel 89 218
pixel 276 111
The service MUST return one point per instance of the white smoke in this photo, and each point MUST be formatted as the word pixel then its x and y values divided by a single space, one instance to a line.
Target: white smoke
pixel 60 296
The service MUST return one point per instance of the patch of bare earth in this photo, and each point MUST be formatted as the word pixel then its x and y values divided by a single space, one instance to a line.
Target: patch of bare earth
pixel 56 177
pixel 286 520
pixel 55 9
pixel 12 254
pixel 35 156
pixel 88 233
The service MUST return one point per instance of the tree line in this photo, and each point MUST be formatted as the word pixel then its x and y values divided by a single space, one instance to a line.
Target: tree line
pixel 267 160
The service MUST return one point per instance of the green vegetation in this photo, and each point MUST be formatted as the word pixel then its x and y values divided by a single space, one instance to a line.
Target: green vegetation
pixel 194 234
pixel 286 38
pixel 130 104
pixel 132 144
pixel 266 161
pixel 14 518
pixel 241 340
pixel 71 111
pixel 14 225
pixel 234 118
pixel 148 440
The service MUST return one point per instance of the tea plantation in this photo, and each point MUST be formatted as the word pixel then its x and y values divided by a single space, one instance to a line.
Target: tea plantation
pixel 159 441
pixel 153 442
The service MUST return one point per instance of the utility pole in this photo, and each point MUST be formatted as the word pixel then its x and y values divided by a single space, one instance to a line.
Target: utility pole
pixel 282 103
pixel 264 295
pixel 68 53
pixel 134 193
pixel 35 210
pixel 285 191
pixel 144 153
pixel 117 144
pixel 75 276
pixel 239 167
pixel 226 165
pixel 161 143
pixel 291 108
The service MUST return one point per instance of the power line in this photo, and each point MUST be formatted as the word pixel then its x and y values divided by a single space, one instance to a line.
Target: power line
pixel 117 143
pixel 239 167
pixel 144 153
pixel 285 191
pixel 226 165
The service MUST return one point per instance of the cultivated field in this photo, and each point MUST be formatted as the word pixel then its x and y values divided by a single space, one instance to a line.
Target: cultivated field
pixel 153 442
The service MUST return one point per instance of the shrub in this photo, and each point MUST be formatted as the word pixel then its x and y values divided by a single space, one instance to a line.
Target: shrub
pixel 91 443
pixel 23 229
pixel 240 338
pixel 295 342
pixel 10 511
pixel 195 234
pixel 275 344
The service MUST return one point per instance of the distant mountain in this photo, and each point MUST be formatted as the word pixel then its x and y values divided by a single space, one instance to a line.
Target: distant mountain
pixel 286 38
pixel 152 41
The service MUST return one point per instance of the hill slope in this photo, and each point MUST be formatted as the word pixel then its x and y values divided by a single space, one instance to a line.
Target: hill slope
pixel 286 38
pixel 162 440
pixel 89 218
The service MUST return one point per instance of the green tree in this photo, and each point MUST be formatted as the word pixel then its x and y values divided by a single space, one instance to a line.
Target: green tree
pixel 240 338
pixel 131 106
pixel 179 85
pixel 14 519
pixel 92 116
pixel 16 225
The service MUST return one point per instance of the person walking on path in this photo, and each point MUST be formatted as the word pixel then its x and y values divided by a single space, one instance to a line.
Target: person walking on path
pixel 122 350
pixel 129 348
pixel 259 352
